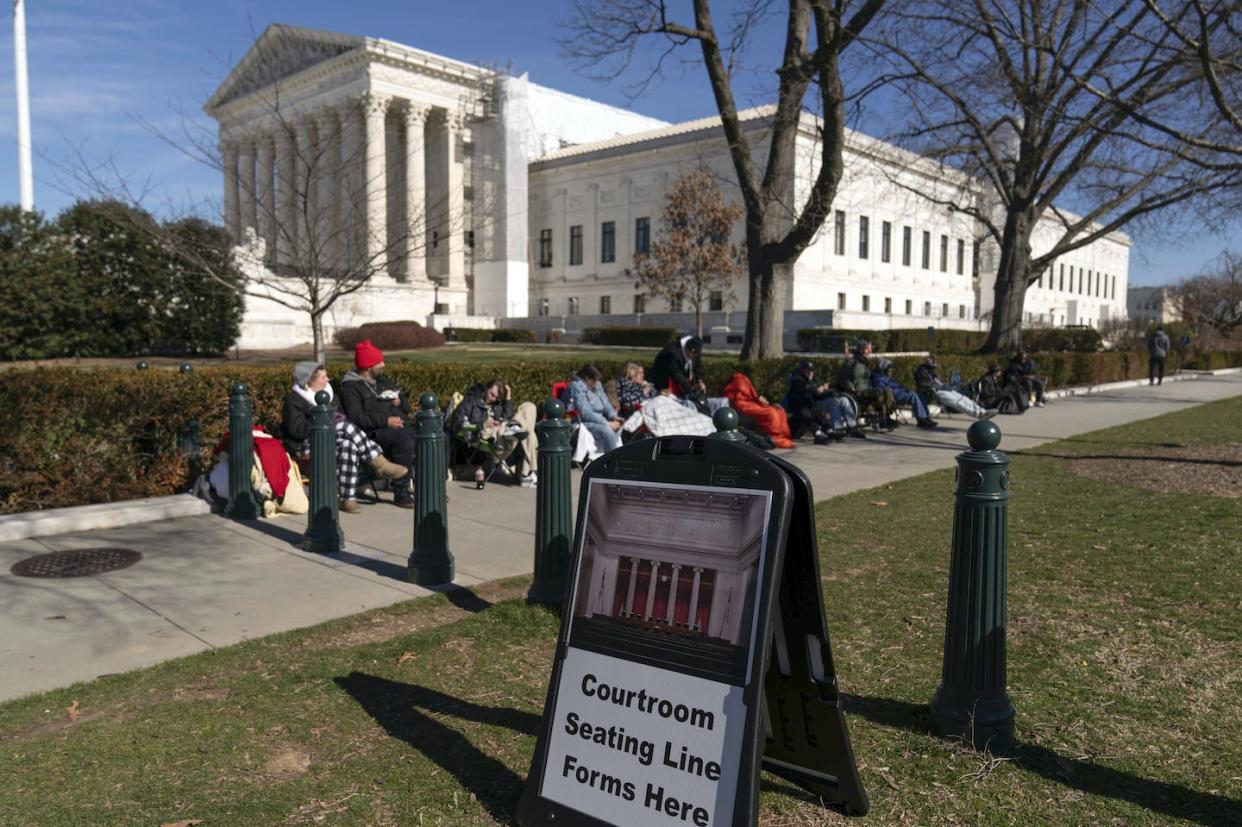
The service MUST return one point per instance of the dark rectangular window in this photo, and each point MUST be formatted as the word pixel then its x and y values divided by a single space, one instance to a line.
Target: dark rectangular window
pixel 888 305
pixel 866 304
pixel 1114 292
pixel 961 256
pixel 545 248
pixel 886 242
pixel 640 303
pixel 573 305
pixel 575 245
pixel 961 311
pixel 1061 277
pixel 905 247
pixel 838 242
pixel 974 260
pixel 926 308
pixel 608 241
pixel 926 250
pixel 605 305
pixel 642 235
pixel 944 309
pixel 543 307
pixel 715 300
pixel 909 307
pixel 944 254
pixel 864 236
pixel 840 301
pixel 674 305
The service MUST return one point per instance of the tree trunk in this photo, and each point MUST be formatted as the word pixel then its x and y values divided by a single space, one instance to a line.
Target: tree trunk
pixel 698 320
pixel 317 335
pixel 1009 291
pixel 765 319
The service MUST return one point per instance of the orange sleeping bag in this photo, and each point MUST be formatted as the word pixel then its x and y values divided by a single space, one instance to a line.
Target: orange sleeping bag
pixel 771 418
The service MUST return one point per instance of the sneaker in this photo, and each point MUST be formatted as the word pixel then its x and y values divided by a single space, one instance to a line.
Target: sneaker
pixel 989 413
pixel 856 432
pixel 821 438
pixel 531 480
pixel 927 424
pixel 350 506
pixel 837 434
pixel 515 429
pixel 404 502
pixel 1039 404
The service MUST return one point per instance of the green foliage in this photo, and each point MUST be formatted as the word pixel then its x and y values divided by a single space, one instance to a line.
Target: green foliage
pixel 108 280
pixel 629 336
pixel 390 336
pixel 1050 339
pixel 519 335
pixel 901 340
pixel 480 334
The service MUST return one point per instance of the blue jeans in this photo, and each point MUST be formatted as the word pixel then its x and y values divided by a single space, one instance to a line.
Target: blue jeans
pixel 836 413
pixel 908 397
pixel 605 438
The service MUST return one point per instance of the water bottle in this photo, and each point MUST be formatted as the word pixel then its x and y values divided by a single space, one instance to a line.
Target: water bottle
pixel 479 477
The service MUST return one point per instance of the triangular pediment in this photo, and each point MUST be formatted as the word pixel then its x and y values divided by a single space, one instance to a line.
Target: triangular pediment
pixel 281 51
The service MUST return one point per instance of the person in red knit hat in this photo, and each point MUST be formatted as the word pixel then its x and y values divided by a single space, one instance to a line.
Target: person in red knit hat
pixel 375 404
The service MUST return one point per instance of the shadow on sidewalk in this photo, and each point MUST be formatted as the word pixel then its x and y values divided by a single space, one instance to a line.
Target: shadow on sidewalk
pixel 1166 798
pixel 403 709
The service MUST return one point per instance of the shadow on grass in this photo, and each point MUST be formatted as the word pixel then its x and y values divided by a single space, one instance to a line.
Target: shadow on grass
pixel 405 711
pixel 1164 797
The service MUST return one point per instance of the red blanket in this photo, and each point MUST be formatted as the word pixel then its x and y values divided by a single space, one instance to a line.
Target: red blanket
pixel 272 459
pixel 743 396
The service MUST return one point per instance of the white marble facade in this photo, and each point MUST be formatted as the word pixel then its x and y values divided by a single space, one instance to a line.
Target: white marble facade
pixel 488 199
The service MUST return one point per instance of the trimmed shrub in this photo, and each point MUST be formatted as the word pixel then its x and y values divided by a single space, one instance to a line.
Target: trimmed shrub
pixel 1072 339
pixel 390 336
pixel 482 334
pixel 901 340
pixel 629 336
pixel 514 334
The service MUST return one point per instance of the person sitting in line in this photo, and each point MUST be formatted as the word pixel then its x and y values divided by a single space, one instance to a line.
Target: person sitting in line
pixel 1023 374
pixel 352 445
pixel 489 407
pixel 995 392
pixel 595 412
pixel 927 380
pixel 882 378
pixel 811 405
pixel 766 417
pixel 854 376
pixel 678 368
pixel 633 389
pixel 375 404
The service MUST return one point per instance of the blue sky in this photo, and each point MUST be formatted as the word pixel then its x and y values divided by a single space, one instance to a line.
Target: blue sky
pixel 99 66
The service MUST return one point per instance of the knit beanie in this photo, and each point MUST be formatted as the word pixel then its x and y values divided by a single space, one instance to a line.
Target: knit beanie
pixel 367 355
pixel 302 372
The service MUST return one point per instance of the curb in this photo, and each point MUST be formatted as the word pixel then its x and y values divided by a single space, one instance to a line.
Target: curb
pixel 29 524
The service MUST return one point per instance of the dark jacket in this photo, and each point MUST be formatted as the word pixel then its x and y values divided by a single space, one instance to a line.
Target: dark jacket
pixel 1158 345
pixel 365 405
pixel 295 421
pixel 670 367
pixel 854 375
pixel 475 410
pixel 802 393
pixel 926 377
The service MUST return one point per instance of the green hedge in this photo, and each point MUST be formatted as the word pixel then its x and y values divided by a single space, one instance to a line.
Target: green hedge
pixel 74 436
pixel 901 340
pixel 479 334
pixel 629 336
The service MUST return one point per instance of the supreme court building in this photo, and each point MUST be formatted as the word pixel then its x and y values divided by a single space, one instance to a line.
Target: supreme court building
pixel 478 198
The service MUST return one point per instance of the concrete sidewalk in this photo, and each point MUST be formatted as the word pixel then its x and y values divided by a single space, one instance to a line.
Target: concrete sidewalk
pixel 205 581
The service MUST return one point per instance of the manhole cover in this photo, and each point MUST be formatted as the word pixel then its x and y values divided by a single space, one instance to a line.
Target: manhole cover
pixel 78 562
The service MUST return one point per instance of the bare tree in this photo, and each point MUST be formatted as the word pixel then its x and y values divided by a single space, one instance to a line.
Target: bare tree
pixel 1008 92
pixel 692 257
pixel 1214 298
pixel 606 35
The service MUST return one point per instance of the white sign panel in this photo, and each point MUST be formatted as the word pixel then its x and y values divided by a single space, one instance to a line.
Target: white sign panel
pixel 635 745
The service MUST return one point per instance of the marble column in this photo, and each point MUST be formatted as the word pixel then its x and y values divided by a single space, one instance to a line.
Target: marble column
pixel 245 188
pixel 375 185
pixel 328 175
pixel 415 223
pixel 456 223
pixel 351 235
pixel 232 219
pixel 305 189
pixel 266 195
pixel 286 196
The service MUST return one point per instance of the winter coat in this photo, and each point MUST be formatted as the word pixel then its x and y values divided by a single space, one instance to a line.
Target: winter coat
pixel 474 409
pixel 365 405
pixel 854 375
pixel 669 371
pixel 591 404
pixel 1158 345
pixel 771 418
pixel 802 393
pixel 885 382
pixel 631 395
pixel 926 377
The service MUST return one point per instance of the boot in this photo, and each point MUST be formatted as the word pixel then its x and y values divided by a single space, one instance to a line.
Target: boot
pixel 927 424
pixel 350 506
pixel 387 470
pixel 856 432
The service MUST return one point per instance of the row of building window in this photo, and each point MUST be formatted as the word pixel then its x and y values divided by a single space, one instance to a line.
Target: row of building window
pixel 1089 283
pixel 715 302
pixel 842 304
pixel 607 242
pixel 907 245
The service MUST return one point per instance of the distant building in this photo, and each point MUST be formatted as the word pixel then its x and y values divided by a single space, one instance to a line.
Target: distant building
pixel 1153 304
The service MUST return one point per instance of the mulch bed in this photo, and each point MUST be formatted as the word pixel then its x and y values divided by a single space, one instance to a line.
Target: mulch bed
pixel 1212 470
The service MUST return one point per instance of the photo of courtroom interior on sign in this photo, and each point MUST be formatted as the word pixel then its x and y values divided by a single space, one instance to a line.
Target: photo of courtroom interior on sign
pixel 668 576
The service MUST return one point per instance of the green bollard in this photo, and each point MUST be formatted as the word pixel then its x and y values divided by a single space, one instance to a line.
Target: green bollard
pixel 242 504
pixel 971 702
pixel 186 367
pixel 431 562
pixel 725 420
pixel 189 443
pixel 554 521
pixel 142 365
pixel 323 524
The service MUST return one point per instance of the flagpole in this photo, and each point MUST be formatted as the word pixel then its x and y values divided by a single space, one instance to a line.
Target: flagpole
pixel 24 172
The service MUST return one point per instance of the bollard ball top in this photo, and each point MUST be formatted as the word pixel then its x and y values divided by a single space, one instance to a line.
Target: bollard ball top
pixel 428 401
pixel 323 398
pixel 142 365
pixel 725 419
pixel 554 409
pixel 983 435
pixel 238 388
pixel 186 367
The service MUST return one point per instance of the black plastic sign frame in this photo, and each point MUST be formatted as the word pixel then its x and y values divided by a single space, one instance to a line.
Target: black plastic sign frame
pixel 680 593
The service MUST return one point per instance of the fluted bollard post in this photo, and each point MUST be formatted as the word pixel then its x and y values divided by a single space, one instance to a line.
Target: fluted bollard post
pixel 971 702
pixel 242 504
pixel 323 525
pixel 725 420
pixel 431 562
pixel 554 521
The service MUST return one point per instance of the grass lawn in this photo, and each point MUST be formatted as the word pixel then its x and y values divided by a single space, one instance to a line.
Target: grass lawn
pixel 1125 667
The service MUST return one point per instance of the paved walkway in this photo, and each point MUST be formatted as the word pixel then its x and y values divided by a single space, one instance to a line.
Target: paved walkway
pixel 205 581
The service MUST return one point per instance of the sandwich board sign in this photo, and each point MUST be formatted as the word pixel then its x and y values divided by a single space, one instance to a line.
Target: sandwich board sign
pixel 692 648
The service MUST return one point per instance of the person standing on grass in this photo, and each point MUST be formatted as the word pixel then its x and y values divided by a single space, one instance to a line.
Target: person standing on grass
pixel 1157 351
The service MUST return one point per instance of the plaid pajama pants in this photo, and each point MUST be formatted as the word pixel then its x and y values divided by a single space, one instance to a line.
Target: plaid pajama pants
pixel 352 449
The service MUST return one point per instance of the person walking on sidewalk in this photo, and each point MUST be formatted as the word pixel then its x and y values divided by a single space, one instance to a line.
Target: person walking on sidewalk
pixel 1157 351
